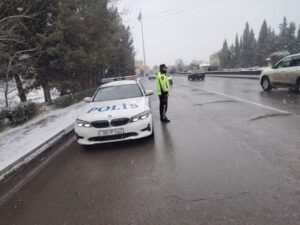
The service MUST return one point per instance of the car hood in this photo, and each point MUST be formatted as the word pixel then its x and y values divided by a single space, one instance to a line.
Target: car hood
pixel 267 70
pixel 107 110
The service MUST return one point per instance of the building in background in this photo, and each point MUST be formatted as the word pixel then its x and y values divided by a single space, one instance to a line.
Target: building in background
pixel 204 67
pixel 140 68
pixel 215 60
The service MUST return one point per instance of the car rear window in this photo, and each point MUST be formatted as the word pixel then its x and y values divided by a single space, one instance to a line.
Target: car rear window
pixel 118 92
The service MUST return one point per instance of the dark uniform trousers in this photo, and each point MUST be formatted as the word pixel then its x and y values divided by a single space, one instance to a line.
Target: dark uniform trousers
pixel 163 105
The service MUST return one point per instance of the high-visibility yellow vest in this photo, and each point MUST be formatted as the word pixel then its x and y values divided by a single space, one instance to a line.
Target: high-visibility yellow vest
pixel 162 83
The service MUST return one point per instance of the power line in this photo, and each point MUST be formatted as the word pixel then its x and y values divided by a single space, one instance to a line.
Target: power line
pixel 139 2
pixel 182 10
pixel 191 5
pixel 186 10
pixel 172 10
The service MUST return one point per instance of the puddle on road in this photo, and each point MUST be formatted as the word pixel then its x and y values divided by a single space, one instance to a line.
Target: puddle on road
pixel 246 91
pixel 270 116
pixel 215 102
pixel 206 94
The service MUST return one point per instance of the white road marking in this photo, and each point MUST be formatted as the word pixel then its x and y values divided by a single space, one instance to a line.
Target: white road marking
pixel 249 102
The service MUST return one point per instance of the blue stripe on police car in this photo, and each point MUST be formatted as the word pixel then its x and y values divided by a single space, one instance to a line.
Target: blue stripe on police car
pixel 113 108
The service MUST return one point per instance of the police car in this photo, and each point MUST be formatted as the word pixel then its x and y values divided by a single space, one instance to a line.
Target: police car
pixel 118 111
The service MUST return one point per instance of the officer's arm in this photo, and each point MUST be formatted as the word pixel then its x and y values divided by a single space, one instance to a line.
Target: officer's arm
pixel 165 85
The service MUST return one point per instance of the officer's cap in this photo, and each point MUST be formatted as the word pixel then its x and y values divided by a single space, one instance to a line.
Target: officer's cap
pixel 163 66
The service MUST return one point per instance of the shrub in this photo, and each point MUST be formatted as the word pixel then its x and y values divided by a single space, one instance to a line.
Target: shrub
pixel 17 115
pixel 63 101
pixel 23 112
pixel 67 100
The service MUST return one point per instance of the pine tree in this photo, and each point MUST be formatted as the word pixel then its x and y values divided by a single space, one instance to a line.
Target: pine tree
pixel 263 43
pixel 291 37
pixel 298 41
pixel 273 41
pixel 283 35
pixel 225 55
pixel 236 52
pixel 253 49
pixel 231 56
pixel 248 48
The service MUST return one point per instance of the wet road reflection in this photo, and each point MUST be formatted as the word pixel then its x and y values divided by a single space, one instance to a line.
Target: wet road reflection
pixel 219 161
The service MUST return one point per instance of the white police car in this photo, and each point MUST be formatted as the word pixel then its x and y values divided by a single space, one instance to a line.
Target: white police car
pixel 118 111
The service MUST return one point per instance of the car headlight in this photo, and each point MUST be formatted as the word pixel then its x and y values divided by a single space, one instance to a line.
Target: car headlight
pixel 81 123
pixel 141 116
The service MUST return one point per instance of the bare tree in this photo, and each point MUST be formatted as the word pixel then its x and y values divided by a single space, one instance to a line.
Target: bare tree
pixel 13 48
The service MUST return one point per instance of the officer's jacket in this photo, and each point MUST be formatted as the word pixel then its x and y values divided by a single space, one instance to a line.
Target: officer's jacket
pixel 162 84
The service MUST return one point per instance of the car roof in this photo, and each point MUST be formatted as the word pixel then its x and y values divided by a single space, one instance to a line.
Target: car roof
pixel 290 56
pixel 298 54
pixel 118 83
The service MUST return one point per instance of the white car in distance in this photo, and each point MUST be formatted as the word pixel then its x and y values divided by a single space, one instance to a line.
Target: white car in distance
pixel 118 111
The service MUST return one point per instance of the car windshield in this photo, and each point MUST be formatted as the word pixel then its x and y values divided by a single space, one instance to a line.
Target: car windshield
pixel 118 92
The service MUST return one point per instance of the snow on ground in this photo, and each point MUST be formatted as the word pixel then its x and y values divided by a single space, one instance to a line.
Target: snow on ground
pixel 17 142
pixel 36 96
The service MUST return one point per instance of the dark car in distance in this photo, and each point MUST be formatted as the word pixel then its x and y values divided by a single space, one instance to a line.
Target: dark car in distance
pixel 196 76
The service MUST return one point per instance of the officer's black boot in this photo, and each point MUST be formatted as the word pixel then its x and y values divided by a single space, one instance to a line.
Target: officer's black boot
pixel 165 120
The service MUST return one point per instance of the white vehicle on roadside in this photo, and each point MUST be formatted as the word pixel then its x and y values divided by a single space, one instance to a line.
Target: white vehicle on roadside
pixel 286 73
pixel 170 79
pixel 118 111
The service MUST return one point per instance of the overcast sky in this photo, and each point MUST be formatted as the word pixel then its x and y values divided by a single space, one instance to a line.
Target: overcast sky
pixel 195 29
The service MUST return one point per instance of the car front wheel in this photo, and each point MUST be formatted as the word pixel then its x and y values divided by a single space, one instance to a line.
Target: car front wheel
pixel 86 147
pixel 266 84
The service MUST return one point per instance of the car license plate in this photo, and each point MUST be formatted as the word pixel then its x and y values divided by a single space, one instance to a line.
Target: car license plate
pixel 111 132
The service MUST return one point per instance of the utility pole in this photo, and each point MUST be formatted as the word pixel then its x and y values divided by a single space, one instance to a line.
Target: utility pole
pixel 140 18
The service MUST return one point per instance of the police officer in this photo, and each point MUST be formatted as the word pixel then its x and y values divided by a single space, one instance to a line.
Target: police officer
pixel 163 87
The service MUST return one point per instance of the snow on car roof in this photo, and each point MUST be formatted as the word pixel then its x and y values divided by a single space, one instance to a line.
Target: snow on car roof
pixel 117 83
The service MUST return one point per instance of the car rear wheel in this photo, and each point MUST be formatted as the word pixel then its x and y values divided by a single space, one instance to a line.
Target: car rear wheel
pixel 266 84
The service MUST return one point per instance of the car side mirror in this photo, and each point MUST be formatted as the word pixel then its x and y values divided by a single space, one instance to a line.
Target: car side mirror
pixel 87 99
pixel 149 92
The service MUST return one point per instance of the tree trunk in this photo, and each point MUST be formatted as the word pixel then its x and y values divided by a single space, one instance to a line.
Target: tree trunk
pixel 47 94
pixel 6 97
pixel 20 88
pixel 6 91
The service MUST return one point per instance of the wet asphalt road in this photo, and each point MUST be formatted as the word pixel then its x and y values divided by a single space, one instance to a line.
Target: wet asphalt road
pixel 231 155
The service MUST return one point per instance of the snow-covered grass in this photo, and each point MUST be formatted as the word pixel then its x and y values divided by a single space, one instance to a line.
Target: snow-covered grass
pixel 17 142
pixel 36 96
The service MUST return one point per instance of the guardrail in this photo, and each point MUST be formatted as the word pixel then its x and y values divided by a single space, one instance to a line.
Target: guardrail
pixel 246 72
pixel 241 72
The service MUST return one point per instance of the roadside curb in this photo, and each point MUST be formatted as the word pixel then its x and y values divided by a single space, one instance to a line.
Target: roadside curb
pixel 26 159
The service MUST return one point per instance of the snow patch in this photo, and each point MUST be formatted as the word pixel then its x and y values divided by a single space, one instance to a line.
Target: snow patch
pixel 17 142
